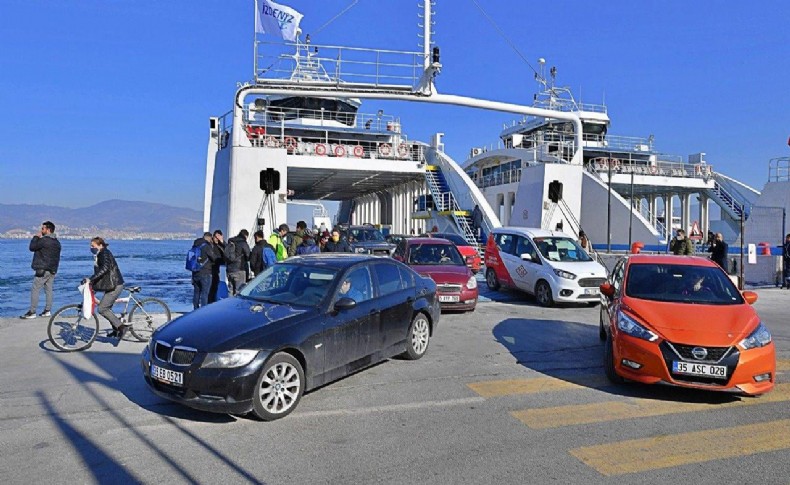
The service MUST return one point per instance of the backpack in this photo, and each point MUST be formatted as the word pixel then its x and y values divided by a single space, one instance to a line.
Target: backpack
pixel 195 258
pixel 231 254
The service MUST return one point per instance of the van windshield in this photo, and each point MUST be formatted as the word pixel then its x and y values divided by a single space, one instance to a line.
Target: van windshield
pixel 561 249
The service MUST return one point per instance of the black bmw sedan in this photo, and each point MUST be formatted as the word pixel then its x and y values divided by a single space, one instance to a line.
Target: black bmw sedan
pixel 301 323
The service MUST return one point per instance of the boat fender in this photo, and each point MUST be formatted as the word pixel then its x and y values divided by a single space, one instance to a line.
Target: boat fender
pixel 339 151
pixel 290 144
pixel 385 149
pixel 320 149
pixel 359 151
pixel 403 150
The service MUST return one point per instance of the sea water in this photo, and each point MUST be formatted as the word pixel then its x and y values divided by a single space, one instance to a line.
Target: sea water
pixel 156 266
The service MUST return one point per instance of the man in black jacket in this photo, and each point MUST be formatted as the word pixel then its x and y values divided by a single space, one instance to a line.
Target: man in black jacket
pixel 237 260
pixel 718 250
pixel 201 279
pixel 336 244
pixel 261 255
pixel 219 250
pixel 46 259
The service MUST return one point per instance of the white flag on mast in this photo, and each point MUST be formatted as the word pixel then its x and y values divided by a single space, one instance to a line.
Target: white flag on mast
pixel 275 19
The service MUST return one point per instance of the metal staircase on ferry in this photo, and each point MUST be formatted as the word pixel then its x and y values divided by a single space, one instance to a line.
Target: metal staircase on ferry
pixel 445 204
pixel 575 228
pixel 732 201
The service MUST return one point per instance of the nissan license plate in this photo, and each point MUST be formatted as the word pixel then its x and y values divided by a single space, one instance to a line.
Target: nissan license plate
pixel 167 375
pixel 449 298
pixel 706 370
pixel 591 291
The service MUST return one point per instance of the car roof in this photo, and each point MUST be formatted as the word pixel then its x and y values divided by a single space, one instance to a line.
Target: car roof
pixel 670 259
pixel 427 240
pixel 334 260
pixel 531 232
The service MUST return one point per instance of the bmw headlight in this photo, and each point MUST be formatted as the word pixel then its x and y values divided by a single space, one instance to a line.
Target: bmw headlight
pixel 759 338
pixel 359 250
pixel 564 274
pixel 630 327
pixel 472 283
pixel 229 359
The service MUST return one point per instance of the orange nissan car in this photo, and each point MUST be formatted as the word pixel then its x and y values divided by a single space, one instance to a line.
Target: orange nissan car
pixel 680 320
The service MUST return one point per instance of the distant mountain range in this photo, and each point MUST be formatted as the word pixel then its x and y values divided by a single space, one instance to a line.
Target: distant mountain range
pixel 111 215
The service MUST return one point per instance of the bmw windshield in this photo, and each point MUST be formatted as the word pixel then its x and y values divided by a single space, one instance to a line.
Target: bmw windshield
pixel 291 284
pixel 681 284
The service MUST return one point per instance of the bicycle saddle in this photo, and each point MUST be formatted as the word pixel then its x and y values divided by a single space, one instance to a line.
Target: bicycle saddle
pixel 133 289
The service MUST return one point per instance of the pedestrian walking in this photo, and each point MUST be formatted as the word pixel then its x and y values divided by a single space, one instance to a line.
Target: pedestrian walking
pixel 107 278
pixel 718 250
pixel 786 257
pixel 585 243
pixel 237 261
pixel 262 254
pixel 276 241
pixel 201 260
pixel 46 259
pixel 335 244
pixel 680 244
pixel 219 249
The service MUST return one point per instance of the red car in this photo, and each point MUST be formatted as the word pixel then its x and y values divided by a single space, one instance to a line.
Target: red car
pixel 456 286
pixel 681 321
pixel 470 253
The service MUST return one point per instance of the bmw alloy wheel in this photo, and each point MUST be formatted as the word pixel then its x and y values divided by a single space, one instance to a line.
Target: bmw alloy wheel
pixel 279 387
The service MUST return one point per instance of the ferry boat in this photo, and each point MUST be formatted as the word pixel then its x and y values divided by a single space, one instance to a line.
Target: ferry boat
pixel 296 132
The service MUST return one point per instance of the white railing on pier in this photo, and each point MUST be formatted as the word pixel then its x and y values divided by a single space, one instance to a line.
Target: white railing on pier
pixel 779 169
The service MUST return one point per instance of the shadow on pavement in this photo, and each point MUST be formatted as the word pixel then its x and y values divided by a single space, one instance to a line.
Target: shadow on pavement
pixel 572 351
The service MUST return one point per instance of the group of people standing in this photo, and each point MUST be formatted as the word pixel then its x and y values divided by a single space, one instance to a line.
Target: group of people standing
pixel 242 263
pixel 716 245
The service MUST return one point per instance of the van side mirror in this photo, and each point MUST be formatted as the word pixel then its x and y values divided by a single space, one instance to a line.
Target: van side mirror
pixel 607 289
pixel 526 257
pixel 750 297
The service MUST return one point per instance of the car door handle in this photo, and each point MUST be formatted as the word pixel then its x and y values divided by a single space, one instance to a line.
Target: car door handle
pixel 375 311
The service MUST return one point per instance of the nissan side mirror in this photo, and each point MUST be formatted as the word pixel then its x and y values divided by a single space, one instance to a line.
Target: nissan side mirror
pixel 750 297
pixel 607 289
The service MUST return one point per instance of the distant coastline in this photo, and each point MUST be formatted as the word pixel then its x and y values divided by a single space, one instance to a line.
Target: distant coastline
pixel 106 234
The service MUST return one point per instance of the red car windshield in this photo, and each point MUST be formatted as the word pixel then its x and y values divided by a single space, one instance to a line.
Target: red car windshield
pixel 435 254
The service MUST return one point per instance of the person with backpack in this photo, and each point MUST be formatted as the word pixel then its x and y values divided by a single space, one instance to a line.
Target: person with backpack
pixel 308 246
pixel 200 261
pixel 237 260
pixel 219 249
pixel 262 254
pixel 296 240
pixel 276 241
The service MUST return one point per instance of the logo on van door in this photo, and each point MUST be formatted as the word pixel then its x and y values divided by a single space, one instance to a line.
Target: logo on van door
pixel 522 271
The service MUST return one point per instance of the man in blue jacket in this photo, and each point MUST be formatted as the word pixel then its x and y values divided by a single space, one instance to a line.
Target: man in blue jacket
pixel 46 259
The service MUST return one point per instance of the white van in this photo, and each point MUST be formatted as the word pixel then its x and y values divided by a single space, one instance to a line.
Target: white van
pixel 548 264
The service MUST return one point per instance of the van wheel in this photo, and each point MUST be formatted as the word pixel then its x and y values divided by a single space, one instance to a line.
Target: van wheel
pixel 543 294
pixel 491 280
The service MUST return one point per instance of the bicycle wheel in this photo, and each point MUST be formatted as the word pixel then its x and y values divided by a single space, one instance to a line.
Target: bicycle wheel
pixel 69 331
pixel 146 316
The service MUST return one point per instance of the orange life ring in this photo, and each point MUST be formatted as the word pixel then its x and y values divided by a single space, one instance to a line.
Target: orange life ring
pixel 403 150
pixel 385 149
pixel 320 149
pixel 339 151
pixel 271 142
pixel 290 143
pixel 359 151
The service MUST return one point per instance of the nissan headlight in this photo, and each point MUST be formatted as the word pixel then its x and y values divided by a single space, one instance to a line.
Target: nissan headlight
pixel 630 327
pixel 565 274
pixel 759 338
pixel 472 283
pixel 229 359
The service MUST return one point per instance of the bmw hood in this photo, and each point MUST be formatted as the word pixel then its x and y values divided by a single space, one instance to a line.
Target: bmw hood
pixel 711 325
pixel 214 327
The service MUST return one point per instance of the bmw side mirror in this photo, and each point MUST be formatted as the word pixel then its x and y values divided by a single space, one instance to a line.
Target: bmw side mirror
pixel 344 304
pixel 607 289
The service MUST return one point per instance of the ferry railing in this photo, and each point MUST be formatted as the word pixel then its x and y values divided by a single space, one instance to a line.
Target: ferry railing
pixel 275 61
pixel 329 145
pixel 779 169
pixel 617 142
pixel 275 116
pixel 601 165
pixel 507 177
pixel 225 130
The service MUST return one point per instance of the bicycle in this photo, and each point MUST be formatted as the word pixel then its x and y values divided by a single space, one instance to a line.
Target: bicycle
pixel 69 330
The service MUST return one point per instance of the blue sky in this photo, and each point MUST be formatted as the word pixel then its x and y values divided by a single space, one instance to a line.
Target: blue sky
pixel 111 99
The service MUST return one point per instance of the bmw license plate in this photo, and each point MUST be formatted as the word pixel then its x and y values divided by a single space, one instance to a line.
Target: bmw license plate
pixel 705 370
pixel 167 375
pixel 449 298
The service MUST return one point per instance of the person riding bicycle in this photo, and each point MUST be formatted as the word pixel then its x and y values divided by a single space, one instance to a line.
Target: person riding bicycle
pixel 107 278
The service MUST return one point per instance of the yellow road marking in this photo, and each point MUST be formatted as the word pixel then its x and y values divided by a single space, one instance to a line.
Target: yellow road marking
pixel 559 416
pixel 681 449
pixel 782 365
pixel 510 387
